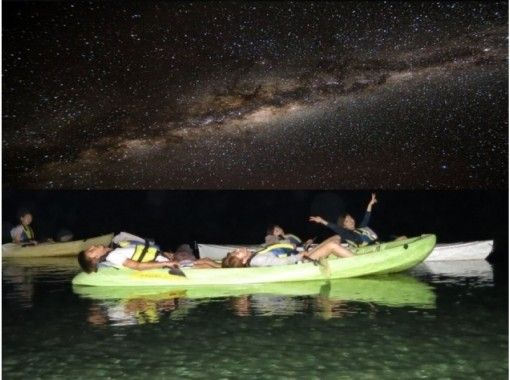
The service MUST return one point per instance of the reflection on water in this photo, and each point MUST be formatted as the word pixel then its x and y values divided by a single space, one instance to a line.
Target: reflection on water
pixel 329 299
pixel 20 274
pixel 132 305
pixel 118 306
pixel 477 272
pixel 443 320
pixel 131 311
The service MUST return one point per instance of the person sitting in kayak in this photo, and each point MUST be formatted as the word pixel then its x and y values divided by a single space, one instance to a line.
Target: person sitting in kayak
pixel 276 234
pixel 243 257
pixel 23 233
pixel 346 227
pixel 137 257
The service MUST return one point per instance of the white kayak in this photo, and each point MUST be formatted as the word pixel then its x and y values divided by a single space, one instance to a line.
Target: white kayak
pixel 474 250
pixel 47 249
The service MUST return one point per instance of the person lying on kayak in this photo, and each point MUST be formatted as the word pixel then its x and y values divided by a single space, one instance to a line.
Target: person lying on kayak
pixel 23 233
pixel 346 227
pixel 137 257
pixel 183 255
pixel 243 257
pixel 276 234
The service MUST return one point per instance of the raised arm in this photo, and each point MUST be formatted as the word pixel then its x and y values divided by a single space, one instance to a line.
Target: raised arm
pixel 345 234
pixel 318 219
pixel 334 227
pixel 368 213
pixel 372 202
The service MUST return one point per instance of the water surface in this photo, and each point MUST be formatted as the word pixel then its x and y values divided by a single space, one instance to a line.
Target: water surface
pixel 437 322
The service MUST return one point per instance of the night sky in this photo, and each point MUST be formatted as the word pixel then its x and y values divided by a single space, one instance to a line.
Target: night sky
pixel 255 95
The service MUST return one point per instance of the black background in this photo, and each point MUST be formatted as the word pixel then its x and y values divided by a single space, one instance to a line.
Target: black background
pixel 174 217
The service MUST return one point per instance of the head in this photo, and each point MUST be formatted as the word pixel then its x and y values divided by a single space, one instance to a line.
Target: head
pixel 89 258
pixel 25 217
pixel 275 230
pixel 236 259
pixel 346 221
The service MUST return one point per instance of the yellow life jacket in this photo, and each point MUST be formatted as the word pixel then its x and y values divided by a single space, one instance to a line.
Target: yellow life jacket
pixel 144 253
pixel 29 232
pixel 277 249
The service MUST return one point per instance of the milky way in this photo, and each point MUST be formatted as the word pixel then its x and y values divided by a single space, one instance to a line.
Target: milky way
pixel 256 95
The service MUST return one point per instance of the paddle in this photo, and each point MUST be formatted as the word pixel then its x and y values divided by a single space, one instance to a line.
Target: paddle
pixel 176 271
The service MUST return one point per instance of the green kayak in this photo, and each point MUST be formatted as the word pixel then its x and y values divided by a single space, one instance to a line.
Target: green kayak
pixel 390 257
pixel 395 290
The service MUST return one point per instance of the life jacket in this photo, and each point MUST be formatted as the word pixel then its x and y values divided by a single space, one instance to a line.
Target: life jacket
pixel 144 253
pixel 28 233
pixel 367 235
pixel 278 249
pixel 132 243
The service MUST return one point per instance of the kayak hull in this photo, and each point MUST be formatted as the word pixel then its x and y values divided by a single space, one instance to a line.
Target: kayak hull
pixel 395 290
pixel 385 258
pixel 70 248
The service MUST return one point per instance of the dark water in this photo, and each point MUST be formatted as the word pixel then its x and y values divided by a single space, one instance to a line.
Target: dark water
pixel 438 322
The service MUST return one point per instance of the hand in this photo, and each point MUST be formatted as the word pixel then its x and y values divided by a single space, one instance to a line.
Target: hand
pixel 317 219
pixel 373 201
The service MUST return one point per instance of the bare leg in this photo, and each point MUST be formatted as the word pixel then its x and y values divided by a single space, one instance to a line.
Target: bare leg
pixel 334 238
pixel 330 247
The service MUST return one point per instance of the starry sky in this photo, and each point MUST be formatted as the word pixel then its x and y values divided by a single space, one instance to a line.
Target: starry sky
pixel 255 95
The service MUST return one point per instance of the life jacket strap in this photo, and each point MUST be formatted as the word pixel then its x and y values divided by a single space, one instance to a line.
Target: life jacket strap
pixel 144 251
pixel 287 247
pixel 141 252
